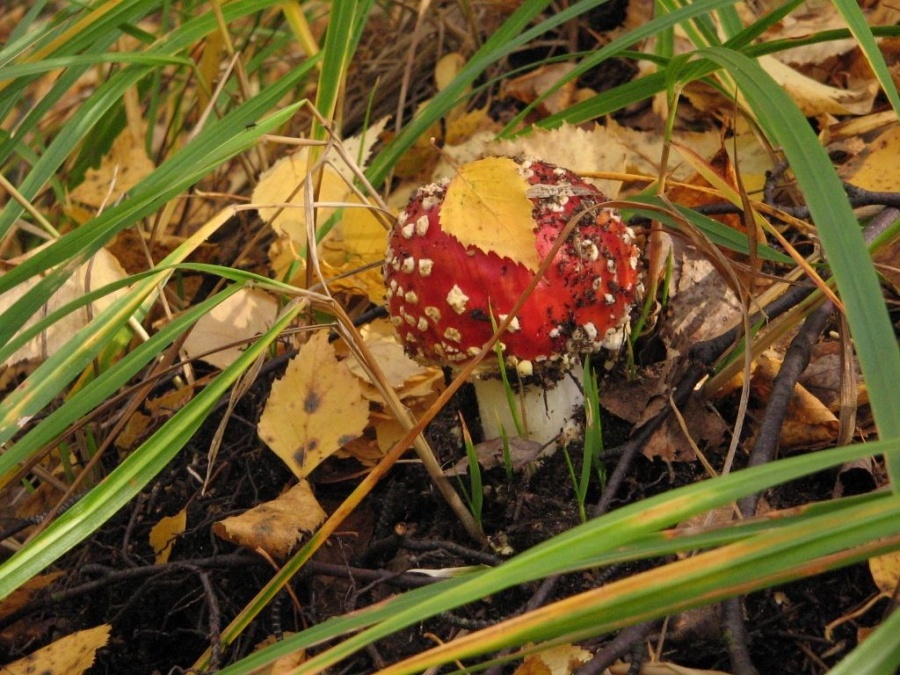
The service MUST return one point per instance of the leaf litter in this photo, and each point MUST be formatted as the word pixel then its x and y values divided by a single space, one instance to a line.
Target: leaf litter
pixel 324 403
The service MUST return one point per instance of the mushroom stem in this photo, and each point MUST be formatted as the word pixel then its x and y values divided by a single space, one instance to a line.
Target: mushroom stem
pixel 546 410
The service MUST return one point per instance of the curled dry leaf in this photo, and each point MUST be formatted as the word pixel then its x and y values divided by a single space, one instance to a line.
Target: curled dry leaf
pixel 314 409
pixel 809 422
pixel 815 98
pixel 275 527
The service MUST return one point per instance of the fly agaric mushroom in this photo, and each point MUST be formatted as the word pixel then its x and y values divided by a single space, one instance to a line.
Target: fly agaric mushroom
pixel 445 297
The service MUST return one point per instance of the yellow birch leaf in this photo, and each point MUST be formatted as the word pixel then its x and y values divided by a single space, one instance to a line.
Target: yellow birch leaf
pixel 486 206
pixel 314 409
pixel 124 167
pixel 275 526
pixel 101 269
pixel 885 571
pixel 164 533
pixel 221 335
pixel 72 654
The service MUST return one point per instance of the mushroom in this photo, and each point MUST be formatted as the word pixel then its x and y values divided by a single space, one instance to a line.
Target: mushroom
pixel 446 298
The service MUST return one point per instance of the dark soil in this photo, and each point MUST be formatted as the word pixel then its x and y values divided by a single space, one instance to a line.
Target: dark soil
pixel 163 616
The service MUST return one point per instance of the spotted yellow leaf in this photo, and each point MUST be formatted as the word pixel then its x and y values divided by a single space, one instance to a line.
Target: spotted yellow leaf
pixel 276 526
pixel 314 409
pixel 487 206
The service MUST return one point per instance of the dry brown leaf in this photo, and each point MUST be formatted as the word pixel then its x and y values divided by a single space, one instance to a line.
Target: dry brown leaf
pixel 70 655
pixel 124 167
pixel 815 98
pixel 559 660
pixel 527 88
pixel 164 534
pixel 809 423
pixel 100 270
pixel 221 335
pixel 641 399
pixel 522 452
pixel 812 18
pixel 275 527
pixel 314 409
pixel 702 305
pixel 486 206
pixel 27 592
pixel 159 409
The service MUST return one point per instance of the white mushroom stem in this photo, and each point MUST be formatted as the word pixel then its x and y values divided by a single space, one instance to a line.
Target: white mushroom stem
pixel 545 411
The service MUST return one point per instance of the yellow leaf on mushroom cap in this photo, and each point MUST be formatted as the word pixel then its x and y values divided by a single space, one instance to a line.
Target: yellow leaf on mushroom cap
pixel 487 206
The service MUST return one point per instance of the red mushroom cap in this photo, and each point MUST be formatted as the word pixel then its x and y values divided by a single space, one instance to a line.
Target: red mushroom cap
pixel 440 293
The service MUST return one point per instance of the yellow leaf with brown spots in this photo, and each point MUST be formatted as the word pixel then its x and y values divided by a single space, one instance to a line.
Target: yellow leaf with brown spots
pixel 164 534
pixel 314 409
pixel 486 206
pixel 73 654
pixel 276 526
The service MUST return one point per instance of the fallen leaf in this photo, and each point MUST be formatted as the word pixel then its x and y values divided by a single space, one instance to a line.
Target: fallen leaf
pixel 527 88
pixel 27 592
pixel 486 206
pixel 876 168
pixel 70 655
pixel 124 167
pixel 809 422
pixel 285 664
pixel 276 526
pixel 101 269
pixel 815 98
pixel 885 571
pixel 164 534
pixel 702 304
pixel 489 454
pixel 580 150
pixel 314 409
pixel 221 335
pixel 158 410
pixel 559 660
pixel 382 343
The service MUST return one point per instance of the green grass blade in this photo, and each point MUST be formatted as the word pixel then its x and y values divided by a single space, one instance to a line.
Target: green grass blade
pixel 221 140
pixel 106 384
pixel 136 471
pixel 858 25
pixel 840 234
pixel 583 544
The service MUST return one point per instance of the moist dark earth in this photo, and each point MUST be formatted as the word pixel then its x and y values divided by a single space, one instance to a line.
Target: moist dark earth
pixel 162 616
